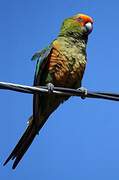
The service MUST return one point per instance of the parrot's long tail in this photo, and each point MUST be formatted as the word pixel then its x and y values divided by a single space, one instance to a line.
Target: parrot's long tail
pixel 23 144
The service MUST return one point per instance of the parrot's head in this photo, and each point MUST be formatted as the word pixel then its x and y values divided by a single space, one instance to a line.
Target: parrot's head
pixel 79 26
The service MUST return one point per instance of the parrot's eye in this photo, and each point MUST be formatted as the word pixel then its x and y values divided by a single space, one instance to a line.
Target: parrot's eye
pixel 79 19
pixel 89 27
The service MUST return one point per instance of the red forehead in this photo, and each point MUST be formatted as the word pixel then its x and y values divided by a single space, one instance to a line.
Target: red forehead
pixel 86 18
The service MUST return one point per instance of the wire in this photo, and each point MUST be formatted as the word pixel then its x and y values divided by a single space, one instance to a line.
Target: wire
pixel 81 92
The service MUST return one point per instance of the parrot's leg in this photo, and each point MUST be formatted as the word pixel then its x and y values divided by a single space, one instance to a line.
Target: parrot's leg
pixel 84 92
pixel 50 87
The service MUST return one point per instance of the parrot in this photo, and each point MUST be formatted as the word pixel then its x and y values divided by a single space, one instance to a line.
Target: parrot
pixel 60 64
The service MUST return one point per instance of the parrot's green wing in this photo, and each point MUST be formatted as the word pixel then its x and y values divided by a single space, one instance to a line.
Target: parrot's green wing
pixel 42 60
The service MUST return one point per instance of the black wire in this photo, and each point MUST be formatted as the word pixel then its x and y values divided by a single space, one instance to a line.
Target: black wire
pixel 60 91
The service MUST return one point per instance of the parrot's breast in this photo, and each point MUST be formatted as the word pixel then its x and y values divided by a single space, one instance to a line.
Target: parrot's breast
pixel 66 64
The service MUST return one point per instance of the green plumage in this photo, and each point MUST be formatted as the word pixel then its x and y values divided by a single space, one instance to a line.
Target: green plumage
pixel 62 64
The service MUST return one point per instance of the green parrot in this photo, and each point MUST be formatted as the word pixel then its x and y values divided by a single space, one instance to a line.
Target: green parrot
pixel 61 64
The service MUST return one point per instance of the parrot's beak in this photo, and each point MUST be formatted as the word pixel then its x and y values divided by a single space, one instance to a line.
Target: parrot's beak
pixel 87 28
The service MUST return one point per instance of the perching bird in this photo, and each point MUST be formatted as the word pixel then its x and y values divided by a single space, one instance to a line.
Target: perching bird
pixel 61 64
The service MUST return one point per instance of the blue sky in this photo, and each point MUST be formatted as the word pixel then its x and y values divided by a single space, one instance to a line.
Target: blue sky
pixel 81 138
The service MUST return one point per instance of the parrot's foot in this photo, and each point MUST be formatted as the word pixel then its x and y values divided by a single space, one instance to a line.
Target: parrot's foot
pixel 84 92
pixel 50 87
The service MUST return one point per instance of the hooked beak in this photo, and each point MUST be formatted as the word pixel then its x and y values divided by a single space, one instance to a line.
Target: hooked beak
pixel 88 27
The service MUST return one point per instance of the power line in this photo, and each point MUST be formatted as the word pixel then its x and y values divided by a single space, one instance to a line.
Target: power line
pixel 81 92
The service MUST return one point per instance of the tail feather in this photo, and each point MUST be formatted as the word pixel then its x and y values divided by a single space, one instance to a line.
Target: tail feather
pixel 22 145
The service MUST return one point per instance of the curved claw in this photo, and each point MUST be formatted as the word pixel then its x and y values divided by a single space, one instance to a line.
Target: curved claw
pixel 84 92
pixel 50 87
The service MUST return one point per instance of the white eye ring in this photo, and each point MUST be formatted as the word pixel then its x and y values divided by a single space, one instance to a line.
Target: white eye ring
pixel 89 27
